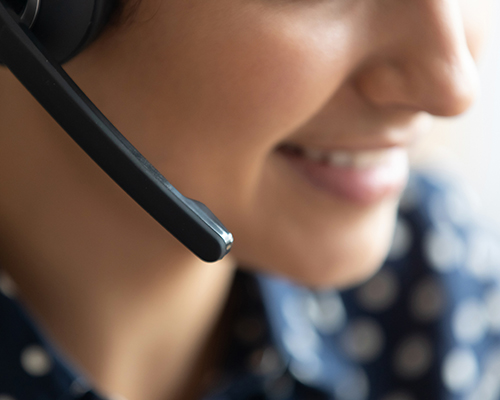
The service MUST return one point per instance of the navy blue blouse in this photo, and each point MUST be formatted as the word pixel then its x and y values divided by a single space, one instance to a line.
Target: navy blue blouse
pixel 426 326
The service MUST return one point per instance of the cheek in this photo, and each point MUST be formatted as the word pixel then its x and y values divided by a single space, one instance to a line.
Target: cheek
pixel 211 100
pixel 213 97
pixel 326 243
pixel 251 79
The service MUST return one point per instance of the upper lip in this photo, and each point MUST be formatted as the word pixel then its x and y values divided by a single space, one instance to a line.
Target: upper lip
pixel 355 142
pixel 328 147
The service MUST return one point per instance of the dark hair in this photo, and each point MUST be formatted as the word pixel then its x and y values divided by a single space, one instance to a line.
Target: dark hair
pixel 123 10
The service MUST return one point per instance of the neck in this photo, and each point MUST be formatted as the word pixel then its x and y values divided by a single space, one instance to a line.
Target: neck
pixel 128 304
pixel 141 335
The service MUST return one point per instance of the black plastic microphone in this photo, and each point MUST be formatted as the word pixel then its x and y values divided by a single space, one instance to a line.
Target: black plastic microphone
pixel 188 220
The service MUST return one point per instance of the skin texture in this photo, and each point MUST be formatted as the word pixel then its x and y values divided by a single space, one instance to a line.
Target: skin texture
pixel 207 91
pixel 215 96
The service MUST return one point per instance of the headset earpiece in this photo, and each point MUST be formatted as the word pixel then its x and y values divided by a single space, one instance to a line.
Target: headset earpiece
pixel 64 27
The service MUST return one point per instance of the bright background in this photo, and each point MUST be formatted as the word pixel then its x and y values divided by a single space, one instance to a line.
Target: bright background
pixel 470 144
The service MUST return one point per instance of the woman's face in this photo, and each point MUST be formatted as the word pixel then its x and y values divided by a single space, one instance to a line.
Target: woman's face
pixel 290 119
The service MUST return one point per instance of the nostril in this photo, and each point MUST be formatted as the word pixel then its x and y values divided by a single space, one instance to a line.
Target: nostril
pixel 439 86
pixel 386 85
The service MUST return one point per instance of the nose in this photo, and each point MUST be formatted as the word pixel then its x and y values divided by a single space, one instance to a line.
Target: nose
pixel 421 59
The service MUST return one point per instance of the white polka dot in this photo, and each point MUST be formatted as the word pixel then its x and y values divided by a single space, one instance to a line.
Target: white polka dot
pixel 487 389
pixel 458 206
pixel 427 300
pixel 7 286
pixel 492 364
pixel 293 308
pixel 6 397
pixel 353 385
pixel 380 292
pixel 402 240
pixel 483 256
pixel 36 361
pixel 460 370
pixel 79 386
pixel 363 340
pixel 326 312
pixel 413 357
pixel 437 209
pixel 455 206
pixel 444 249
pixel 492 300
pixel 470 321
pixel 398 396
pixel 306 371
pixel 266 361
pixel 302 344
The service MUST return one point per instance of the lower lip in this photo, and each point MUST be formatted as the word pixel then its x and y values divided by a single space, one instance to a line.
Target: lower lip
pixel 362 186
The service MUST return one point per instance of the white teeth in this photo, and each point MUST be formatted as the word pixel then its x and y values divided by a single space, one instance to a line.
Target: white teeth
pixel 370 158
pixel 354 159
pixel 340 158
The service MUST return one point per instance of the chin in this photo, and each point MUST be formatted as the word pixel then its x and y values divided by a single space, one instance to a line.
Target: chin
pixel 339 259
pixel 340 271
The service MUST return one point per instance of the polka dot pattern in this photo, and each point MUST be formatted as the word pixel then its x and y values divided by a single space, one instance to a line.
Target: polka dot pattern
pixel 326 312
pixel 413 357
pixel 487 389
pixel 353 386
pixel 492 300
pixel 427 300
pixel 470 321
pixel 425 326
pixel 306 371
pixel 363 340
pixel 266 361
pixel 444 249
pixel 483 257
pixel 7 285
pixel 301 344
pixel 460 369
pixel 79 387
pixel 380 292
pixel 35 361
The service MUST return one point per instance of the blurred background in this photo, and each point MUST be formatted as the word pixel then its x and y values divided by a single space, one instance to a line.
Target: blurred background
pixel 469 145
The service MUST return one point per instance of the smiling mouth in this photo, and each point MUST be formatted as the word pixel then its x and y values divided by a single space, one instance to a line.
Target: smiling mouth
pixel 356 159
pixel 361 176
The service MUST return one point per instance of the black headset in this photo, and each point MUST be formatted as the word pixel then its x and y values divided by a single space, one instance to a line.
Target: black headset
pixel 35 37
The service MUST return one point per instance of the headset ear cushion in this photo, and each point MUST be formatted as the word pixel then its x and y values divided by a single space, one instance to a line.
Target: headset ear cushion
pixel 65 27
